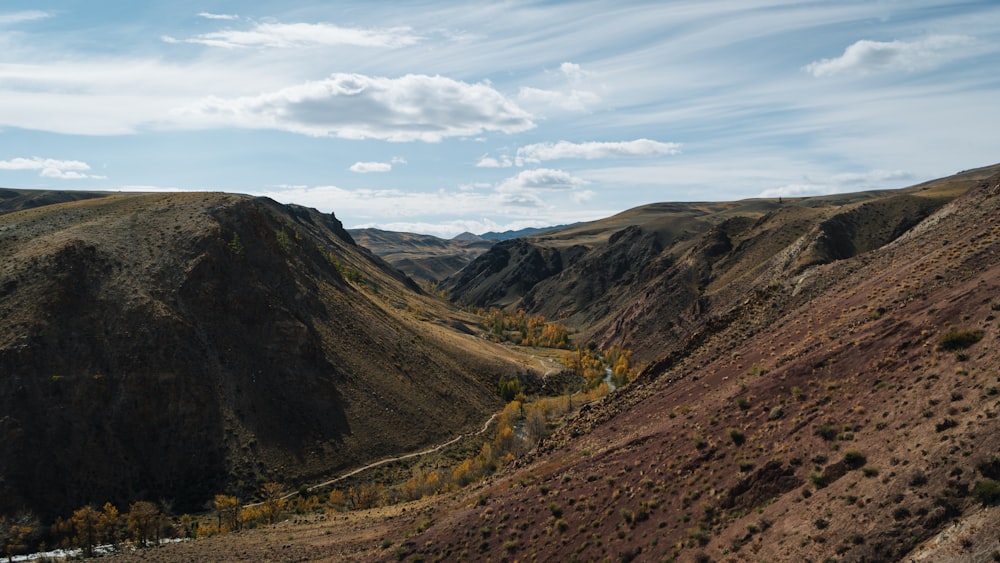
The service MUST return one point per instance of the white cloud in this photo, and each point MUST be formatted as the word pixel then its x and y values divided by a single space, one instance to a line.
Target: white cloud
pixel 490 162
pixel 13 18
pixel 569 95
pixel 841 183
pixel 573 71
pixel 286 35
pixel 540 179
pixel 366 167
pixel 592 150
pixel 353 106
pixel 211 16
pixel 50 168
pixel 550 101
pixel 867 57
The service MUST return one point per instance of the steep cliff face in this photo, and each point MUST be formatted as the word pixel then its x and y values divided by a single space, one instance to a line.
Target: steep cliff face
pixel 174 346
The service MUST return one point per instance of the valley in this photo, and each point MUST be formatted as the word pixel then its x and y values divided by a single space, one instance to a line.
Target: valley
pixel 803 379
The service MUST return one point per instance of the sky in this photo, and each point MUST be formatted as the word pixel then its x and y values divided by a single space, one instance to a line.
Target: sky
pixel 443 117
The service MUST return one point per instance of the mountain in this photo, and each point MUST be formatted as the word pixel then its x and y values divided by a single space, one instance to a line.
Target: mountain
pixel 829 391
pixel 526 232
pixel 175 346
pixel 656 273
pixel 425 258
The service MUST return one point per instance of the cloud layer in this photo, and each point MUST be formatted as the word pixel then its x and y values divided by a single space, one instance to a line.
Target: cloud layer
pixel 353 106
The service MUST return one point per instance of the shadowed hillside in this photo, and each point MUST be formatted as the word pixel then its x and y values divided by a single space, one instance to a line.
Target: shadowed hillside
pixel 173 346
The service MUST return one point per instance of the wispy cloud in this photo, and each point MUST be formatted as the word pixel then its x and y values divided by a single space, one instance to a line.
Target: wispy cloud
pixel 571 96
pixel 50 167
pixel 592 150
pixel 13 18
pixel 541 179
pixel 353 106
pixel 840 183
pixel 869 57
pixel 286 35
pixel 366 167
pixel 211 16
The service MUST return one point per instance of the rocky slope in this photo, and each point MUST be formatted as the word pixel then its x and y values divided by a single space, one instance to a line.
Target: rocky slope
pixel 174 346
pixel 839 410
pixel 654 274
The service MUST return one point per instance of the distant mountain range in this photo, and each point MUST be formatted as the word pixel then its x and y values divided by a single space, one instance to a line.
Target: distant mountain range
pixel 430 259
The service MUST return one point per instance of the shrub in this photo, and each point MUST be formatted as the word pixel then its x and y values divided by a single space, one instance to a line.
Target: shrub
pixel 869 471
pixel 956 339
pixel 854 459
pixel 826 431
pixel 737 436
pixel 945 424
pixel 987 491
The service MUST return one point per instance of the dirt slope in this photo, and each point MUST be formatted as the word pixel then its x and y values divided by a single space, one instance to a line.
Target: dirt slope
pixel 824 418
pixel 173 346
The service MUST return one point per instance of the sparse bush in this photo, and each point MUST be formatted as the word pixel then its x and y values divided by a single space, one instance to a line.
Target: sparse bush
pixel 821 524
pixel 987 491
pixel 869 471
pixel 555 509
pixel 945 424
pixel 956 339
pixel 826 431
pixel 737 436
pixel 854 459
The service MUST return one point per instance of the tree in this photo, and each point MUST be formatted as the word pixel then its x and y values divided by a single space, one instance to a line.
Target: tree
pixel 144 522
pixel 86 528
pixel 227 509
pixel 274 501
pixel 16 532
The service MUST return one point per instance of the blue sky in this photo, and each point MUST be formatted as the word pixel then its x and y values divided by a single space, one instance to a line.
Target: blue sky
pixel 442 117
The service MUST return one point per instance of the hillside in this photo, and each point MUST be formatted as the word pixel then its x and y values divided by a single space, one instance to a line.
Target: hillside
pixel 655 274
pixel 425 258
pixel 846 410
pixel 843 408
pixel 174 346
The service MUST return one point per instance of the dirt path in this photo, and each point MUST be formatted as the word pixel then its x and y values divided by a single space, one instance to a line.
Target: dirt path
pixel 372 465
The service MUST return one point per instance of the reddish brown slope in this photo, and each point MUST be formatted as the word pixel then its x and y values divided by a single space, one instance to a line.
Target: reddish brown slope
pixel 716 454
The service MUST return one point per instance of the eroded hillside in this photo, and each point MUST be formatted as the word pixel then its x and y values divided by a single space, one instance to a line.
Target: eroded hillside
pixel 846 410
pixel 174 346
pixel 655 274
